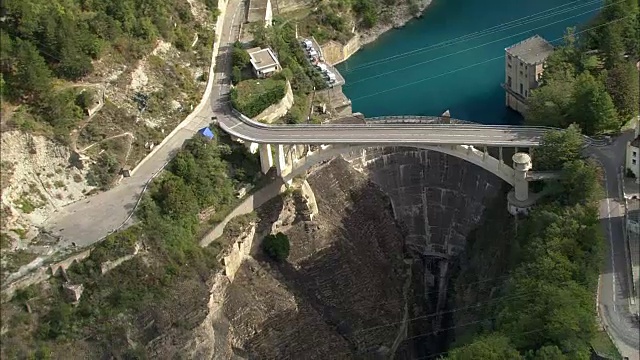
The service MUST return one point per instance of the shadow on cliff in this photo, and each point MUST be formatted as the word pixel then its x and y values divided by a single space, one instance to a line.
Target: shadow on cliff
pixel 346 265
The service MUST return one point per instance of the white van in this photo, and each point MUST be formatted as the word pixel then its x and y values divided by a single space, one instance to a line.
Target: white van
pixel 322 67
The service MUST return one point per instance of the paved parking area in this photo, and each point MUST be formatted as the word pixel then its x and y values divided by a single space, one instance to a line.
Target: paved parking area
pixel 314 44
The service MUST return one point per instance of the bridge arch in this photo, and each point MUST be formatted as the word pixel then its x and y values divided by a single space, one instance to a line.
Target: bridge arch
pixel 465 152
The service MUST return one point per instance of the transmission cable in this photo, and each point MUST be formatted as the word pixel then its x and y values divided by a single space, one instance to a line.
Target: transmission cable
pixel 477 34
pixel 467 49
pixel 474 65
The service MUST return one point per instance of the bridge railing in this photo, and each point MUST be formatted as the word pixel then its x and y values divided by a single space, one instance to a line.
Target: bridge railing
pixel 408 119
pixel 434 121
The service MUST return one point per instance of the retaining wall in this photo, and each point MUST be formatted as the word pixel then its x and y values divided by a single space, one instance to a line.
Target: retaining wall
pixel 335 52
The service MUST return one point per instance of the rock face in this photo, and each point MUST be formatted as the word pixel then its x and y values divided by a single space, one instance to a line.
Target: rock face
pixel 339 295
pixel 348 286
pixel 438 198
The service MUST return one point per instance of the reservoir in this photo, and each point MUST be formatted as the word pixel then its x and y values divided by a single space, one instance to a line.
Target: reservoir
pixel 453 57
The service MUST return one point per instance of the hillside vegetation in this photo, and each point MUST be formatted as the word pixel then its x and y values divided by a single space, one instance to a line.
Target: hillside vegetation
pixel 337 19
pixel 592 80
pixel 163 285
pixel 44 42
pixel 544 308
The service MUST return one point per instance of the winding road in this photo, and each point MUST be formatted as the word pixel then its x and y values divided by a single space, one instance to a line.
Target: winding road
pixel 88 221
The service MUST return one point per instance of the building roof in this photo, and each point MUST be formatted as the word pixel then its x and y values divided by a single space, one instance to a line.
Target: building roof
pixel 262 58
pixel 257 10
pixel 533 50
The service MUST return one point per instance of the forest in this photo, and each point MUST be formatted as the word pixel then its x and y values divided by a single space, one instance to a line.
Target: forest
pixel 592 79
pixel 45 43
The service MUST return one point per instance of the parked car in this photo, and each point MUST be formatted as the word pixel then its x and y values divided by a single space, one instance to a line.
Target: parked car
pixel 322 67
pixel 307 44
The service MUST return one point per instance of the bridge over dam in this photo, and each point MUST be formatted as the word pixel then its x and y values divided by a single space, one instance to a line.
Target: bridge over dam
pixel 290 148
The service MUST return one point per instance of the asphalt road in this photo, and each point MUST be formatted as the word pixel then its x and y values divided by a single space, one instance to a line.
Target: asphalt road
pixel 86 222
pixel 614 286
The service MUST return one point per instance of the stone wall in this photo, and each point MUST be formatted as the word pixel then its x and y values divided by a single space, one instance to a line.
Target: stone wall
pixel 278 110
pixel 335 52
pixel 239 250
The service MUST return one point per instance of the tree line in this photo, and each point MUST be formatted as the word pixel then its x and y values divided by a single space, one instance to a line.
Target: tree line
pixel 592 80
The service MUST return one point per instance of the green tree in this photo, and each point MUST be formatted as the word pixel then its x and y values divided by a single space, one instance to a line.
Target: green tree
pixel 559 147
pixel 550 105
pixel 491 347
pixel 579 180
pixel 612 45
pixel 32 77
pixel 562 315
pixel 236 75
pixel 546 353
pixel 276 246
pixel 593 108
pixel 623 86
pixel 240 57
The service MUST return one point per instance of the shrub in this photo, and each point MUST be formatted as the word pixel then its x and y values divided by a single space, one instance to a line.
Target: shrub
pixel 251 97
pixel 276 246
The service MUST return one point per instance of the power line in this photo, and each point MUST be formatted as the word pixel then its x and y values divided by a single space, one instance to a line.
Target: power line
pixel 477 34
pixel 473 65
pixel 424 317
pixel 467 49
pixel 496 299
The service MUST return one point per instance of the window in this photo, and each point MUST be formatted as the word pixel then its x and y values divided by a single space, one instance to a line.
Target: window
pixel 509 81
pixel 520 73
pixel 509 65
pixel 633 161
pixel 509 57
pixel 526 67
pixel 521 88
pixel 634 154
pixel 521 63
pixel 525 93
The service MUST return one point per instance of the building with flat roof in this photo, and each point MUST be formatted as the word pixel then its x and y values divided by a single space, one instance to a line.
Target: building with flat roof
pixel 524 65
pixel 263 62
pixel 260 10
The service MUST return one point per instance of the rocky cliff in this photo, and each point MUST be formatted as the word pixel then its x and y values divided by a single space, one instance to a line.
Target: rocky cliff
pixel 340 294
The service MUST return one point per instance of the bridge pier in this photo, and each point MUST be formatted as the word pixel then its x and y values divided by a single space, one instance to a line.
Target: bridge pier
pixel 281 162
pixel 266 159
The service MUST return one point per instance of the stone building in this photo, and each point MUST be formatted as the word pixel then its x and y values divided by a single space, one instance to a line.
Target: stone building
pixel 524 64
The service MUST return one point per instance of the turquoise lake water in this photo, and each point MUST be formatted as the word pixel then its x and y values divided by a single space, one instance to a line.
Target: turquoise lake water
pixel 463 75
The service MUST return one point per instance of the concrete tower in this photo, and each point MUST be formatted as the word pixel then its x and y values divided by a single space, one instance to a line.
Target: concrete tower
pixel 521 164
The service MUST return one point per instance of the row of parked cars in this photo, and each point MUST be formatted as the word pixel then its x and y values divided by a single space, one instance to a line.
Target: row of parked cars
pixel 317 61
